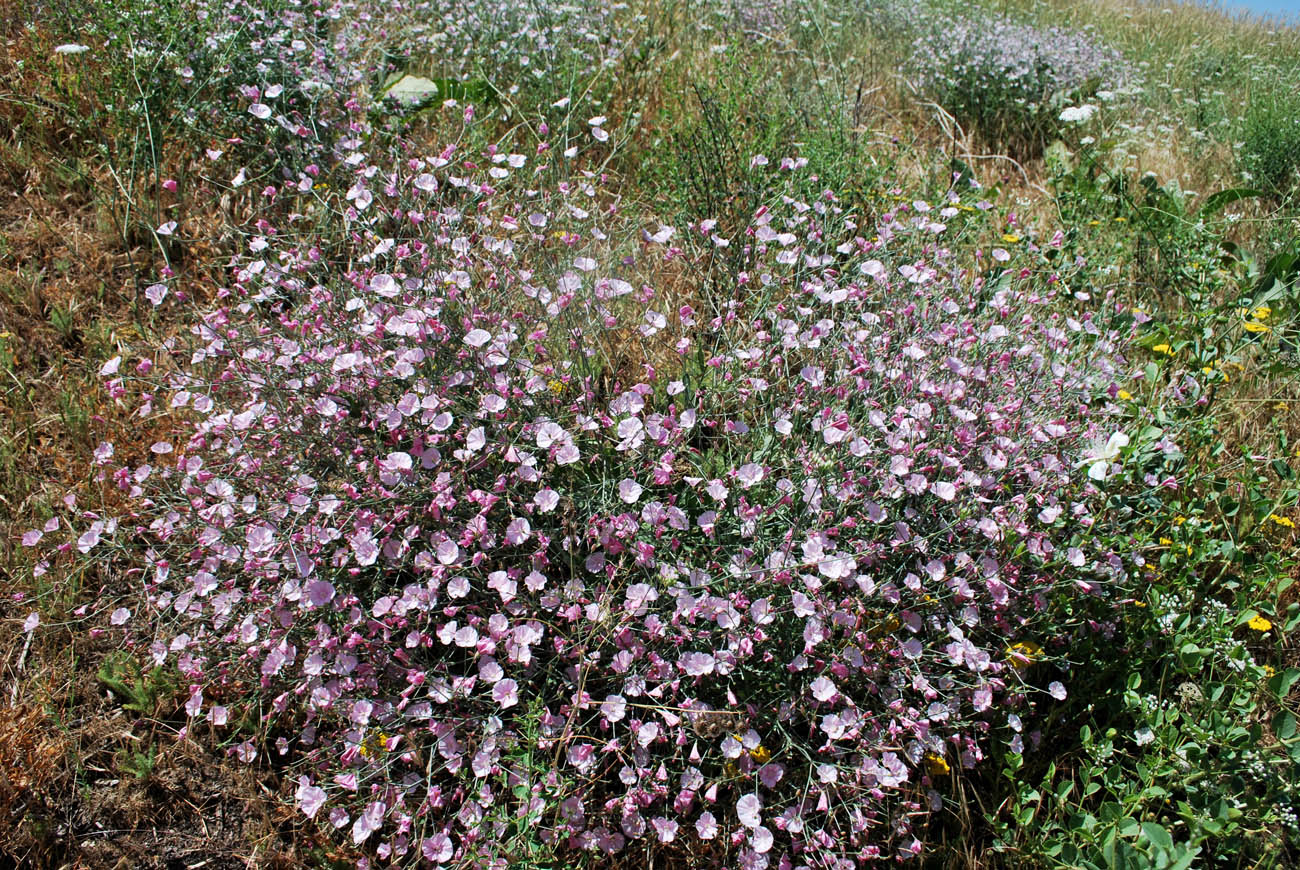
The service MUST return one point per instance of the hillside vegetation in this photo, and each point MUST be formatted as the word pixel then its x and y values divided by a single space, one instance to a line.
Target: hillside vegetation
pixel 665 433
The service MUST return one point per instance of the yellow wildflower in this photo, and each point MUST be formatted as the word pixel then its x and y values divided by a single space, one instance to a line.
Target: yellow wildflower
pixel 1256 326
pixel 761 754
pixel 555 386
pixel 1178 521
pixel 1010 238
pixel 1165 542
pixel 935 765
pixel 1282 521
pixel 1163 348
pixel 1268 671
pixel 1259 623
pixel 374 744
pixel 1125 395
pixel 1261 313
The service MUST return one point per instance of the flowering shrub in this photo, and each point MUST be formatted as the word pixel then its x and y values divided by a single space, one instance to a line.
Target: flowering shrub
pixel 1010 81
pixel 504 533
pixel 509 531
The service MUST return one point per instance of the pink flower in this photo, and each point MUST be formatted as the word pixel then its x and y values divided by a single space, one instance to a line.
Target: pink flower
pixel 506 693
pixel 518 531
pixel 103 453
pixel 648 733
pixel 629 490
pixel 614 708
pixel 90 538
pixel 320 593
pixel 438 848
pixel 546 500
pixel 748 810
pixel 696 664
pixel 665 829
pixel 260 538
pixel 823 689
pixel 368 822
pixel 749 474
pixel 308 797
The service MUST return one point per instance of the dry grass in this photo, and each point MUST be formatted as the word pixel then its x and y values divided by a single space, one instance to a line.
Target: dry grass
pixel 83 784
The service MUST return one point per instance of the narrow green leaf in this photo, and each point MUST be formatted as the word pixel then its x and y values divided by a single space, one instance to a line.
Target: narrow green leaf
pixel 1218 201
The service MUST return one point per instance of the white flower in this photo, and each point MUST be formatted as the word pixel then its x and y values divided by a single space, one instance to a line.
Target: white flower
pixel 1098 461
pixel 1078 114
pixel 71 48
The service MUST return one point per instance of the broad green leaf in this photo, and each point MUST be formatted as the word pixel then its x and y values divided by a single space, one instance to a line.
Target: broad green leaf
pixel 1284 725
pixel 1282 682
pixel 1157 835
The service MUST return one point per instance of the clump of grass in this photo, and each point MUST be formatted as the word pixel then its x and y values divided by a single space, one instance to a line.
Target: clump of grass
pixel 1270 142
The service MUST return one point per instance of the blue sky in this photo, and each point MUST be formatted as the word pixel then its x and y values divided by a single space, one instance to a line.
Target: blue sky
pixel 1280 8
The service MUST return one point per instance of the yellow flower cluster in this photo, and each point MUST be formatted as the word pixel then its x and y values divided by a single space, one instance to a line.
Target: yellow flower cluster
pixel 1257 317
pixel 1023 654
pixel 375 744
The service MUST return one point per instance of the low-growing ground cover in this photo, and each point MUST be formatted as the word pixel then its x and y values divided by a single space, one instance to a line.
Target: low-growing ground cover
pixel 794 436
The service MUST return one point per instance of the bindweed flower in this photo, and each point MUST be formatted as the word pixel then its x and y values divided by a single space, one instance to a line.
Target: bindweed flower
pixel 448 479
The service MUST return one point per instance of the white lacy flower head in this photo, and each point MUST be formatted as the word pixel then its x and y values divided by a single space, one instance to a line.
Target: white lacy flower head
pixel 1078 114
pixel 71 48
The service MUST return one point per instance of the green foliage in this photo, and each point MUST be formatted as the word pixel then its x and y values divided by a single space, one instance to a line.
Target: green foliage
pixel 138 763
pixel 138 690
pixel 746 110
pixel 1270 142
